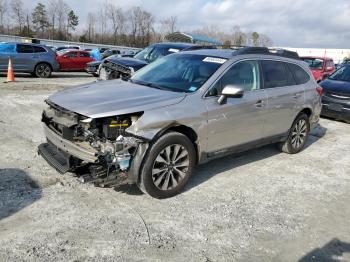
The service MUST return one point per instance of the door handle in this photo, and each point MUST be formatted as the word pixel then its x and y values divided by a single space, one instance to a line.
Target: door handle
pixel 297 95
pixel 259 103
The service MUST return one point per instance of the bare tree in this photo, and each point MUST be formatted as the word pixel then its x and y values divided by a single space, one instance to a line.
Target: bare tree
pixel 91 21
pixel 102 19
pixel 169 25
pixel 62 10
pixel 264 40
pixel 52 15
pixel 18 13
pixel 3 10
pixel 117 18
pixel 238 37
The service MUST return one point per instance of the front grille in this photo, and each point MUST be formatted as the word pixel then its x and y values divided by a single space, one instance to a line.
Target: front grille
pixel 117 67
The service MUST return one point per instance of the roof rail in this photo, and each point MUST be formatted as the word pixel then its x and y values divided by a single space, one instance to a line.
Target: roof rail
pixel 265 51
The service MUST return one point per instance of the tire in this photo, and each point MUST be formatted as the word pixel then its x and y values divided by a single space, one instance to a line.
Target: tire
pixel 167 166
pixel 298 135
pixel 95 74
pixel 43 70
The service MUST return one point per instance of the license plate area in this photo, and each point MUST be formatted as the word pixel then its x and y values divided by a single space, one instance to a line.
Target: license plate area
pixel 335 107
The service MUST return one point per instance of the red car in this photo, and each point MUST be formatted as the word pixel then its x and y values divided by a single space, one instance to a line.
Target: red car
pixel 73 60
pixel 321 67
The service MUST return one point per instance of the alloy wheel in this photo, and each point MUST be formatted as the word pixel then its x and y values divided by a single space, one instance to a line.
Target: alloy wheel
pixel 299 134
pixel 170 167
pixel 43 70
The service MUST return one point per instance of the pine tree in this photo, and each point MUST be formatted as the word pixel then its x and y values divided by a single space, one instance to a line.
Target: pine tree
pixel 39 18
pixel 73 21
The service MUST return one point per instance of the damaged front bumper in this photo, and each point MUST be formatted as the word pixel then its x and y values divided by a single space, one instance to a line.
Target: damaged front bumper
pixel 107 168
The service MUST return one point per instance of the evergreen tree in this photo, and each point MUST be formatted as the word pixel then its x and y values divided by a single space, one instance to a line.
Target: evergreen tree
pixel 39 18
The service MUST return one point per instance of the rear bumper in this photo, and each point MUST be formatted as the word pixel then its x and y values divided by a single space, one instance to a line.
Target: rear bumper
pixel 68 147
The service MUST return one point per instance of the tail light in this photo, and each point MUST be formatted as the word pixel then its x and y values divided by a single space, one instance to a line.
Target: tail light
pixel 319 90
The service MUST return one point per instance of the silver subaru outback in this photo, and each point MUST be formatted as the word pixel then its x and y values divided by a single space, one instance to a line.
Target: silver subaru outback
pixel 180 111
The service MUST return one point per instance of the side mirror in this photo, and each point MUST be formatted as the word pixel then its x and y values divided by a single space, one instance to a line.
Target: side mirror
pixel 230 91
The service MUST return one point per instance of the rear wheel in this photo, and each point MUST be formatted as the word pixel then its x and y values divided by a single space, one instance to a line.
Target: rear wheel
pixel 43 70
pixel 168 166
pixel 297 136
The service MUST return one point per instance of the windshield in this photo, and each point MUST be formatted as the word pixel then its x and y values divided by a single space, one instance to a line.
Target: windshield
pixel 180 73
pixel 154 52
pixel 314 63
pixel 342 74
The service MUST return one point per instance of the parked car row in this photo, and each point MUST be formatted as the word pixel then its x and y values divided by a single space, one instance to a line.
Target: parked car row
pixel 41 60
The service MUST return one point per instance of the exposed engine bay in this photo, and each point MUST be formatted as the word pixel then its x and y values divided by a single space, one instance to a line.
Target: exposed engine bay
pixel 102 147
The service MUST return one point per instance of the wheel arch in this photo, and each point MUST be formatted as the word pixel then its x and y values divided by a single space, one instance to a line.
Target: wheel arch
pixel 186 131
pixel 307 111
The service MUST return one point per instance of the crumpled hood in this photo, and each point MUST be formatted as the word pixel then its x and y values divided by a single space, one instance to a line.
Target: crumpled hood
pixel 113 97
pixel 128 62
pixel 94 63
pixel 341 87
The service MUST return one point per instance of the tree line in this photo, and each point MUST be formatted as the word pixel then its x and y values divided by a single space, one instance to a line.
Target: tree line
pixel 109 24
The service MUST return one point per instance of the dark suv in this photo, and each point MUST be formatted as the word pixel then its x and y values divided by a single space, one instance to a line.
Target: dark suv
pixel 115 66
pixel 39 60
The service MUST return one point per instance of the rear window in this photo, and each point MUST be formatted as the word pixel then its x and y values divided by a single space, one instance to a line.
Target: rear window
pixel 84 54
pixel 314 63
pixel 24 49
pixel 276 74
pixel 72 54
pixel 300 76
pixel 39 49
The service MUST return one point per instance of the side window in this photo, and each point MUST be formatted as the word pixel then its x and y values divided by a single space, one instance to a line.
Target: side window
pixel 300 76
pixel 82 54
pixel 276 74
pixel 72 55
pixel 24 49
pixel 244 74
pixel 39 49
pixel 329 64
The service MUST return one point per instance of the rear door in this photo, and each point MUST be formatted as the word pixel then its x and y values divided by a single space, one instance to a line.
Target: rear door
pixel 285 97
pixel 84 58
pixel 69 61
pixel 24 60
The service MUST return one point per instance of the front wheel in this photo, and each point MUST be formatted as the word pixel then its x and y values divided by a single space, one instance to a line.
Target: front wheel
pixel 167 166
pixel 43 70
pixel 298 135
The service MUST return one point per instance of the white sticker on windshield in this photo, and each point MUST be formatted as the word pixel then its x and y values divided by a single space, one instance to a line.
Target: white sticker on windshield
pixel 215 60
pixel 173 50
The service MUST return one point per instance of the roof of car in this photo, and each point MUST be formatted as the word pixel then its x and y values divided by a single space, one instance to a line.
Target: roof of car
pixel 23 43
pixel 228 53
pixel 175 45
pixel 316 57
pixel 222 53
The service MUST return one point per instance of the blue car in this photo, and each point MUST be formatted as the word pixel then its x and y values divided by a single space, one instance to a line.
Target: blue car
pixel 35 59
pixel 336 94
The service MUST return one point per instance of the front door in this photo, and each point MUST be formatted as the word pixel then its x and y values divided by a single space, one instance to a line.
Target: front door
pixel 239 121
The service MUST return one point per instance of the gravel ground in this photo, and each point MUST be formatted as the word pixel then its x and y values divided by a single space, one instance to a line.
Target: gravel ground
pixel 260 206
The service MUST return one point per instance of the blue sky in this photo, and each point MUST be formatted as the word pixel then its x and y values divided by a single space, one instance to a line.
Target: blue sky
pixel 294 23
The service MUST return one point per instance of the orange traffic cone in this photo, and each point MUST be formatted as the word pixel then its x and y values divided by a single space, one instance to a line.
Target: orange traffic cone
pixel 10 74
